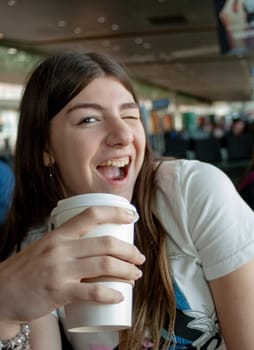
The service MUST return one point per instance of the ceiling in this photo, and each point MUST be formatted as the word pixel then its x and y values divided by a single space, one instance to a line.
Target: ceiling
pixel 170 43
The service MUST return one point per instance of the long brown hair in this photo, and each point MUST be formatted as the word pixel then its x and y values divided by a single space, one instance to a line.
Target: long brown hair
pixel 56 81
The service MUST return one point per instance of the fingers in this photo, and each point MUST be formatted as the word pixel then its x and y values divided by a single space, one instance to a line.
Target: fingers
pixel 88 258
pixel 91 258
pixel 93 292
pixel 101 266
pixel 60 251
pixel 106 245
pixel 73 259
pixel 85 221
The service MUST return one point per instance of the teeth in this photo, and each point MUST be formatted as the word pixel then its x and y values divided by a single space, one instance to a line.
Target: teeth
pixel 119 163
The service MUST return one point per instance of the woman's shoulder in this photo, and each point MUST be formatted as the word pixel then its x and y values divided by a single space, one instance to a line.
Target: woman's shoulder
pixel 184 168
pixel 182 165
pixel 187 178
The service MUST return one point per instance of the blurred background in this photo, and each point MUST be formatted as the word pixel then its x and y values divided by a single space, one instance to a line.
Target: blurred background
pixel 191 62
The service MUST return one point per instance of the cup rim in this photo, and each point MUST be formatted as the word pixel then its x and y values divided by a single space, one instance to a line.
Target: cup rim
pixel 95 199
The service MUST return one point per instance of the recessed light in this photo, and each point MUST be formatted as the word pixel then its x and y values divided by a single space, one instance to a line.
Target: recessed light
pixel 11 2
pixel 115 27
pixel 12 51
pixel 138 41
pixel 77 30
pixel 61 23
pixel 101 19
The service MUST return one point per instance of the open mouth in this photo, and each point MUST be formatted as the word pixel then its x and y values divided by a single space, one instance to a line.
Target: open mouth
pixel 114 169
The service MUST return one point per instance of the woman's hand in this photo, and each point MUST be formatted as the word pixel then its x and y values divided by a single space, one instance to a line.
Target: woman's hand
pixel 47 274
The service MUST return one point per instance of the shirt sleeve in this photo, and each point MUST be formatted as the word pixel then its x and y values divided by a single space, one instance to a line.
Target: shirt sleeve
pixel 220 223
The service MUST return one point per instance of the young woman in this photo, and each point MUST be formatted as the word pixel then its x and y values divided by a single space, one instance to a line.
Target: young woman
pixel 81 131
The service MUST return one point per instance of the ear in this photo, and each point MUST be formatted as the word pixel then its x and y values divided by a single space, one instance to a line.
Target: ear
pixel 48 158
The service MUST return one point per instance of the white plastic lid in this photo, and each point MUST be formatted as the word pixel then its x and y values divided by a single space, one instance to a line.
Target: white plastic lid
pixel 93 199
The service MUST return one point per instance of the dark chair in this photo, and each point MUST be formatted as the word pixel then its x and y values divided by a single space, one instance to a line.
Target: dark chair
pixel 239 147
pixel 175 147
pixel 207 150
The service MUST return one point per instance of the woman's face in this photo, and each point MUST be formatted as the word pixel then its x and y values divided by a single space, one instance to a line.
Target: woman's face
pixel 97 140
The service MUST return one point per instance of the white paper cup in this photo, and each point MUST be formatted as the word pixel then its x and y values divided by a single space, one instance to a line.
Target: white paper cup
pixel 89 316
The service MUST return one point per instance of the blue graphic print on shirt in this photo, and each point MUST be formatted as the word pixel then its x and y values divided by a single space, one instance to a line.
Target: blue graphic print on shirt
pixel 194 330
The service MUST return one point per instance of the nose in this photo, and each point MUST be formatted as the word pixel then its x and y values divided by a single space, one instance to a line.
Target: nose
pixel 119 133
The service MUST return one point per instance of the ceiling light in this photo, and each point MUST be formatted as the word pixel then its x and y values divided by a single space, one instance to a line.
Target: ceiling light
pixel 61 23
pixel 11 2
pixel 12 51
pixel 115 27
pixel 101 19
pixel 77 30
pixel 138 41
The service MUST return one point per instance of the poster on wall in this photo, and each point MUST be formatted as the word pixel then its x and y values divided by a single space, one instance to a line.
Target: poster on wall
pixel 235 25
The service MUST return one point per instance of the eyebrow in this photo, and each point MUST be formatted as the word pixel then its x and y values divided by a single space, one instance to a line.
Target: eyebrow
pixel 123 106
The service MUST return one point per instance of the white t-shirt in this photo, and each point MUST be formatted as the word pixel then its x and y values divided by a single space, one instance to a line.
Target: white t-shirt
pixel 210 234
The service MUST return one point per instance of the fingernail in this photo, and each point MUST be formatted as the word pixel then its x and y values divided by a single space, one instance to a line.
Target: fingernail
pixel 142 257
pixel 119 297
pixel 139 273
pixel 131 214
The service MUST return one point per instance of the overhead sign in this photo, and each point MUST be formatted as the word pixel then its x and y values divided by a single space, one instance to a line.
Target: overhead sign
pixel 160 104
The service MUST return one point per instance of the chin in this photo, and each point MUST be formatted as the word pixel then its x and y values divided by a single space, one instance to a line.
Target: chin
pixel 126 194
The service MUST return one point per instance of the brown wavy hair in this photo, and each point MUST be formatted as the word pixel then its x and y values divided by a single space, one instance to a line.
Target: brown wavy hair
pixel 56 81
